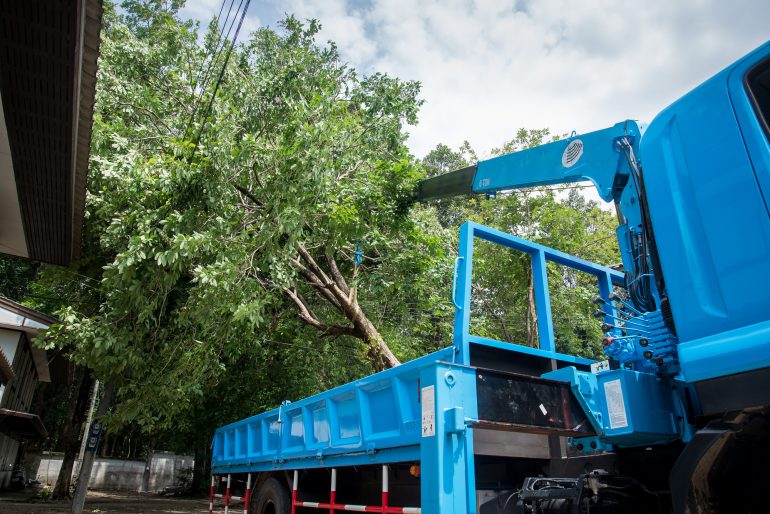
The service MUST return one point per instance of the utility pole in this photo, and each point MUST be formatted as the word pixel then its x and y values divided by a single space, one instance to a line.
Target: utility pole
pixel 92 438
pixel 86 428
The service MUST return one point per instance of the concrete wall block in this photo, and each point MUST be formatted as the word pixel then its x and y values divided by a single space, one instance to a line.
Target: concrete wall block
pixel 166 470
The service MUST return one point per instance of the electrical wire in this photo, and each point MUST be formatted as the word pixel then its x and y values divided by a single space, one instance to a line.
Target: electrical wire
pixel 218 49
pixel 309 348
pixel 219 78
pixel 219 38
pixel 197 83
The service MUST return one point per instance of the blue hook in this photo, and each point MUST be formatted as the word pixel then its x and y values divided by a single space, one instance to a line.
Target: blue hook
pixel 359 255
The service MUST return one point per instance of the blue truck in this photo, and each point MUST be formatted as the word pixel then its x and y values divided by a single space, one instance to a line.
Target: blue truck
pixel 674 420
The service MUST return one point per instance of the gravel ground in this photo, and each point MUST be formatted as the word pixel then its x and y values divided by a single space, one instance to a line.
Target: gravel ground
pixel 104 502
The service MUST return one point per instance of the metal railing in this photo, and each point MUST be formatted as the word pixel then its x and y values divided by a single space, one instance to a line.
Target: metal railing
pixel 540 255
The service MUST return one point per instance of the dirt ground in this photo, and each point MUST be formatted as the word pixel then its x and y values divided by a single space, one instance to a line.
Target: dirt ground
pixel 103 502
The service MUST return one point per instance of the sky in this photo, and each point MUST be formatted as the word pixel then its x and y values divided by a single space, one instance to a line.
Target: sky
pixel 489 67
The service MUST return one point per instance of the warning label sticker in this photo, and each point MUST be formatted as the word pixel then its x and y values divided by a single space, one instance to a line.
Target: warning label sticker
pixel 428 411
pixel 616 407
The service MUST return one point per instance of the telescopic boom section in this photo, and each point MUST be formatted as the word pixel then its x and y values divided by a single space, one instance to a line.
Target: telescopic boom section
pixel 601 157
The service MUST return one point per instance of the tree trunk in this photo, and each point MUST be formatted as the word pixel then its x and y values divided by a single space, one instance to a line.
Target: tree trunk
pixel 76 411
pixel 533 336
pixel 201 469
pixel 332 287
pixel 104 446
pixel 379 352
pixel 148 466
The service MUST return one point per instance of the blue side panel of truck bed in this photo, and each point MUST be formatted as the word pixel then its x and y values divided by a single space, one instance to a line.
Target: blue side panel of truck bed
pixel 372 420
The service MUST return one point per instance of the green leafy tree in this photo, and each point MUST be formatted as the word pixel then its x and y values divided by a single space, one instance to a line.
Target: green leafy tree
pixel 252 239
pixel 270 220
pixel 16 275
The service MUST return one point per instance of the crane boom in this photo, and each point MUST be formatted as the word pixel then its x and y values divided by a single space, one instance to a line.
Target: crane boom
pixel 609 159
pixel 600 156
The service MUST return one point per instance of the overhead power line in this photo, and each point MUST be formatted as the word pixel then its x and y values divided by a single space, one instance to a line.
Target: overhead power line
pixel 201 77
pixel 221 71
pixel 219 46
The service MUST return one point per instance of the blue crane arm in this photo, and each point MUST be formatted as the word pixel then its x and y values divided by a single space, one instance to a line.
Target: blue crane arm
pixel 609 158
pixel 596 156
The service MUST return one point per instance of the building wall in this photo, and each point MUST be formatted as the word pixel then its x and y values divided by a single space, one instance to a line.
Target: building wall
pixel 8 449
pixel 16 395
pixel 19 392
pixel 117 475
pixel 9 343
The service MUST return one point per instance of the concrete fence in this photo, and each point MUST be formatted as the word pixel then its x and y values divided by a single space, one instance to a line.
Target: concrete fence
pixel 166 470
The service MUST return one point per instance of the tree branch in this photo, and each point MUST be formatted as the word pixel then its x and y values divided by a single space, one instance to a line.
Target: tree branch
pixel 317 284
pixel 313 265
pixel 333 288
pixel 338 278
pixel 245 192
pixel 306 315
pixel 304 304
pixel 304 312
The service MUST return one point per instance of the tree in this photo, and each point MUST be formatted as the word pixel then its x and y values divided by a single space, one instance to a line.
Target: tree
pixel 77 406
pixel 252 239
pixel 16 275
pixel 282 217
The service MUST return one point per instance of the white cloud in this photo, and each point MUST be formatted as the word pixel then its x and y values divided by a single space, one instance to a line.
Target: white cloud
pixel 489 67
pixel 205 10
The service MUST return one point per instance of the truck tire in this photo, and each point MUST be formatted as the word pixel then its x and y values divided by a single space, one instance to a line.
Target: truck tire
pixel 272 498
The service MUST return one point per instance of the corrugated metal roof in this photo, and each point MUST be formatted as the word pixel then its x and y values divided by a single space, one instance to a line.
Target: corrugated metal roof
pixel 48 59
pixel 21 425
pixel 15 316
pixel 25 316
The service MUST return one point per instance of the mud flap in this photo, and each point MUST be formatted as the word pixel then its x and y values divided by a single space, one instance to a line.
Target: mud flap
pixel 699 454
